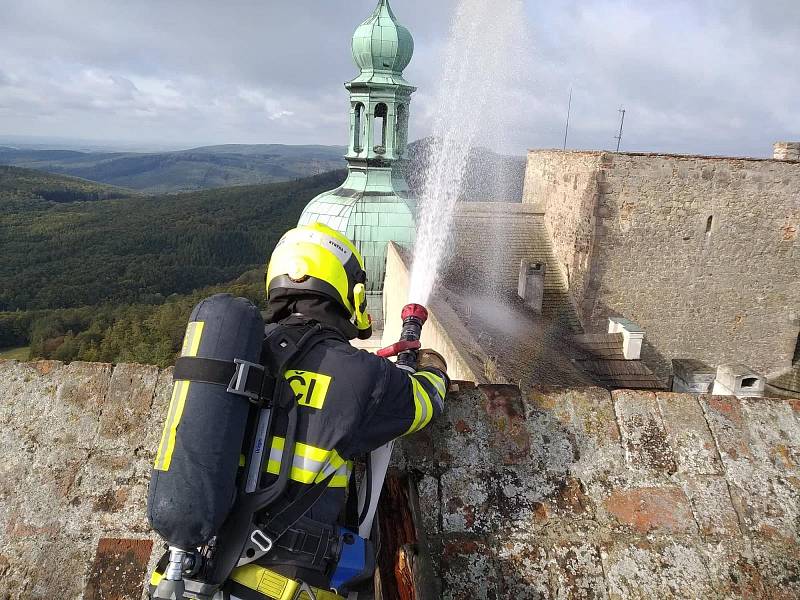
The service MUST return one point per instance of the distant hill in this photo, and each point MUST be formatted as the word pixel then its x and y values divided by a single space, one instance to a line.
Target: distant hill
pixel 490 176
pixel 137 249
pixel 184 170
pixel 29 184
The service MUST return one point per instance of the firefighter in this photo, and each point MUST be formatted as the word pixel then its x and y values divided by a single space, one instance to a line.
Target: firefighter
pixel 352 402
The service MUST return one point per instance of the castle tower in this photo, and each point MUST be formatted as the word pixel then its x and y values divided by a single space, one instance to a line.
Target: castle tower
pixel 373 206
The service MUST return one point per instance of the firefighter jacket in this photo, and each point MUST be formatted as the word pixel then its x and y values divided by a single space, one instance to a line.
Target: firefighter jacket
pixel 351 402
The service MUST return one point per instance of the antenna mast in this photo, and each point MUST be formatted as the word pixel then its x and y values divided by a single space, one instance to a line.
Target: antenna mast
pixel 621 123
pixel 569 109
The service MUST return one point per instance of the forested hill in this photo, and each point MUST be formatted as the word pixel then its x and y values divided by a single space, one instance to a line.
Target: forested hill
pixel 28 184
pixel 184 170
pixel 489 176
pixel 141 249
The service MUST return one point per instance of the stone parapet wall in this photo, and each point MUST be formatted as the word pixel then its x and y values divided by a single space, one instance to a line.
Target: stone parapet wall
pixel 77 443
pixel 565 185
pixel 568 493
pixel 562 493
pixel 702 252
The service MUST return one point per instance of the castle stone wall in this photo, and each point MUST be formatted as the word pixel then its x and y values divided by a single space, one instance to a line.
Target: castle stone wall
pixel 559 493
pixel 702 252
pixel 786 151
pixel 565 186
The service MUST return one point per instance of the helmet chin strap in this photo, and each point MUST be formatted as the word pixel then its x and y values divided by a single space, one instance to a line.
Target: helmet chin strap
pixel 361 318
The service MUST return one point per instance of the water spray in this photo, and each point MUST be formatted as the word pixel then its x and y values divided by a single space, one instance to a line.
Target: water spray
pixel 474 101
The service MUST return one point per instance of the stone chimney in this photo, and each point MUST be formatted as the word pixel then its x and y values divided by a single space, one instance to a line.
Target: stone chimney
pixel 738 380
pixel 692 376
pixel 786 151
pixel 632 336
pixel 531 284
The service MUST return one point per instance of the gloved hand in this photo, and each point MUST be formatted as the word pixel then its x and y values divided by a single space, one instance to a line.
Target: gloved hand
pixel 430 358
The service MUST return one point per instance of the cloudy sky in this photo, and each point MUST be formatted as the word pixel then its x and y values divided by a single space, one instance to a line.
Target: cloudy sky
pixel 695 76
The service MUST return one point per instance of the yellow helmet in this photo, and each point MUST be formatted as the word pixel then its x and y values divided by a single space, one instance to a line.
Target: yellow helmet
pixel 319 259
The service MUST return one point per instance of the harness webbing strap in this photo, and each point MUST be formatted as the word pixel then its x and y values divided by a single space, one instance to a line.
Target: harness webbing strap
pixel 223 372
pixel 282 521
pixel 275 586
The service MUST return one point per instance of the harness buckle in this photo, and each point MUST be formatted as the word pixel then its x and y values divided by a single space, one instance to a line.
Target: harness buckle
pixel 304 588
pixel 261 540
pixel 238 383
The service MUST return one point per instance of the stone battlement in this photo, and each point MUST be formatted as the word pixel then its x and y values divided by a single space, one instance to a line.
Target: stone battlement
pixel 700 251
pixel 561 492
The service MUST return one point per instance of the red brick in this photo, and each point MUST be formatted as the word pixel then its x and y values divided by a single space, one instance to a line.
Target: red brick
pixel 509 440
pixel 774 434
pixel 645 569
pixel 734 571
pixel 645 510
pixel 119 569
pixel 769 507
pixel 779 567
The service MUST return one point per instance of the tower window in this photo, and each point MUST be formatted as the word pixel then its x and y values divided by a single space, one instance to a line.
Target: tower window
pixel 379 135
pixel 709 224
pixel 358 128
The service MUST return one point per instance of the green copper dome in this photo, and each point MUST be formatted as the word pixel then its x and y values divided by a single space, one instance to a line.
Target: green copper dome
pixel 374 205
pixel 381 44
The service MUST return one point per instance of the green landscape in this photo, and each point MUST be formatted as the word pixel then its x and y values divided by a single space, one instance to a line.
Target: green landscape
pixel 99 272
pixel 183 170
pixel 112 276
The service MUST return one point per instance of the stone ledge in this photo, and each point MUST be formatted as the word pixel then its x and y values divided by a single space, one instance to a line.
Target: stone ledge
pixel 560 492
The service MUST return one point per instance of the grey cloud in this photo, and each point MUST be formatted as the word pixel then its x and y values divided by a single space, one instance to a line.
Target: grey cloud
pixel 701 76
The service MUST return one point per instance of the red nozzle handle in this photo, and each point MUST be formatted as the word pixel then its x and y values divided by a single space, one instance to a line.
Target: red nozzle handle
pixel 399 347
pixel 415 310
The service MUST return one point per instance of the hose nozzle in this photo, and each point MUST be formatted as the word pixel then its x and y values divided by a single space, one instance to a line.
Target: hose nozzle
pixel 414 317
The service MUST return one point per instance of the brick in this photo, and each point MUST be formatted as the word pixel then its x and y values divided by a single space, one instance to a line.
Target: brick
pixel 646 510
pixel 688 434
pixel 525 569
pixel 644 438
pixel 769 507
pixel 656 570
pixel 429 505
pixel 509 440
pixel 726 421
pixel 119 569
pixel 127 405
pixel 712 506
pixel 460 438
pixel 465 501
pixel 779 567
pixel 734 571
pixel 468 570
pixel 578 572
pixel 774 434
pixel 580 429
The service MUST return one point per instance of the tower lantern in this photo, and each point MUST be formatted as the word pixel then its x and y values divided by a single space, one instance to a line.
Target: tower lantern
pixel 373 206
